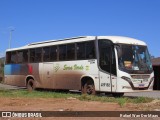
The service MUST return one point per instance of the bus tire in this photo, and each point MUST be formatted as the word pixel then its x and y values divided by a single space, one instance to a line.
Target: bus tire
pixel 30 85
pixel 88 88
pixel 117 94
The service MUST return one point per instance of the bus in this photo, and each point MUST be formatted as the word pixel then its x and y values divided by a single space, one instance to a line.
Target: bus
pixel 90 64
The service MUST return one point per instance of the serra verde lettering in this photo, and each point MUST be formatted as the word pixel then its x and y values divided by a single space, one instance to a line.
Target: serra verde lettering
pixel 75 67
pixel 67 67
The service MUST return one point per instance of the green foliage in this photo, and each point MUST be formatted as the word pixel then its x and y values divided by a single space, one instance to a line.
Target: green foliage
pixel 121 101
pixel 34 94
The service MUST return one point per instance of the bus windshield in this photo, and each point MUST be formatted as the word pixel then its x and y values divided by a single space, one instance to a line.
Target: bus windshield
pixel 134 59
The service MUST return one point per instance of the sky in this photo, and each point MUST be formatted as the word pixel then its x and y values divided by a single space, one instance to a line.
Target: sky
pixel 40 20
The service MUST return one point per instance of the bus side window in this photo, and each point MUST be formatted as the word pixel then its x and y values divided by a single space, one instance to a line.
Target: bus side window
pixel 53 53
pixel 90 50
pixel 38 55
pixel 71 52
pixel 25 56
pixel 32 55
pixel 46 54
pixel 20 57
pixel 14 57
pixel 8 57
pixel 80 51
pixel 62 52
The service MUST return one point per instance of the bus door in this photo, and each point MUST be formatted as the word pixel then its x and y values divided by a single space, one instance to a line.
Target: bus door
pixel 107 63
pixel 47 75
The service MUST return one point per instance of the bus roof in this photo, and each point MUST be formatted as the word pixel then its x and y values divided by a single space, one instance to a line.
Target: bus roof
pixel 114 39
pixel 124 40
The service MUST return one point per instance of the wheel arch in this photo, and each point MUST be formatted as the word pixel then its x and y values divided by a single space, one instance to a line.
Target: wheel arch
pixel 86 78
pixel 28 77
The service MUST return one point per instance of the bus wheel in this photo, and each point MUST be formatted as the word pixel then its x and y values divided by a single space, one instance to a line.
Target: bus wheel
pixel 30 85
pixel 88 88
pixel 117 94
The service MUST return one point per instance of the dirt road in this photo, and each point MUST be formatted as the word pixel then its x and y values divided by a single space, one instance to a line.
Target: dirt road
pixel 69 104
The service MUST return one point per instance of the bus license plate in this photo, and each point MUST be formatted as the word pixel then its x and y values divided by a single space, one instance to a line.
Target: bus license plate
pixel 141 85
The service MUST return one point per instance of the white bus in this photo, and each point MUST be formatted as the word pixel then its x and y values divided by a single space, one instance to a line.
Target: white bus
pixel 109 64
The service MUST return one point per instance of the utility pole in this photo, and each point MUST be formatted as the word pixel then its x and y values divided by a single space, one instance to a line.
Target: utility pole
pixel 10 37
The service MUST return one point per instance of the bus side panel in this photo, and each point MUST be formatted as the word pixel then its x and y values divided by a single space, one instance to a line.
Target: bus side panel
pixel 36 70
pixel 67 74
pixel 15 74
pixel 66 77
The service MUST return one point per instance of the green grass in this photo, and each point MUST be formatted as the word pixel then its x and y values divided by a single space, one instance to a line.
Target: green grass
pixel 34 94
pixel 49 94
pixel 121 101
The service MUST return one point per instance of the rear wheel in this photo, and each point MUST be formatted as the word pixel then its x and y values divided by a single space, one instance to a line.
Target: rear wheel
pixel 88 88
pixel 31 85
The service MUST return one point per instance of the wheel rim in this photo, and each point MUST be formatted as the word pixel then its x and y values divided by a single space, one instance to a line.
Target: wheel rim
pixel 30 85
pixel 89 89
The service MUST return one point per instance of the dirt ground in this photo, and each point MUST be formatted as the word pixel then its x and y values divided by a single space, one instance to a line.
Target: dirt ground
pixel 56 104
pixel 69 104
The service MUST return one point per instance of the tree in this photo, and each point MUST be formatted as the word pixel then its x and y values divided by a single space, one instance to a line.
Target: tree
pixel 1 67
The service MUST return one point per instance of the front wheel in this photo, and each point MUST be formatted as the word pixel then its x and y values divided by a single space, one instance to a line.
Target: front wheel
pixel 117 94
pixel 88 88
pixel 31 85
